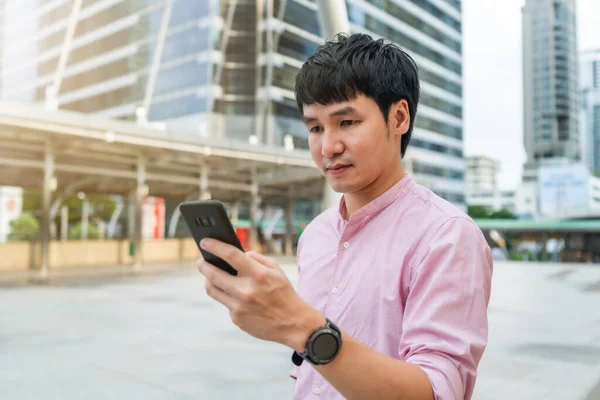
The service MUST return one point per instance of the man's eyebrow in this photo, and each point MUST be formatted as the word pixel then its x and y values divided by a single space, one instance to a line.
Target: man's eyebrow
pixel 342 111
pixel 308 120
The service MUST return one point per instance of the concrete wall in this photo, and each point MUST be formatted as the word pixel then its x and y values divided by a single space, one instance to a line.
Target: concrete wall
pixel 15 256
pixel 21 256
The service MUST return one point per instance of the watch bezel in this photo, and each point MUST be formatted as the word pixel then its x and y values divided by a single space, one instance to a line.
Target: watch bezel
pixel 327 330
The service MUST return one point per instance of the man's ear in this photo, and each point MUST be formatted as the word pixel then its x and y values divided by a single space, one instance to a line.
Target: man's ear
pixel 399 118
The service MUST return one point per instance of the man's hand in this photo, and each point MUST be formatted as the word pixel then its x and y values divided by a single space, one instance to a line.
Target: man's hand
pixel 261 299
pixel 262 302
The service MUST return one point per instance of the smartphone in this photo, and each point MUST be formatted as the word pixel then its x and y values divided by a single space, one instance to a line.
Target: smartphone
pixel 208 218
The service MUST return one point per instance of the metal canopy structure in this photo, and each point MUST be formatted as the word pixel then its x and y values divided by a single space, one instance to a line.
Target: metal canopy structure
pixel 84 145
pixel 540 226
pixel 64 151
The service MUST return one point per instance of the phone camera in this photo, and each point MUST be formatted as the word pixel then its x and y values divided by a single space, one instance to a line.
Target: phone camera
pixel 205 221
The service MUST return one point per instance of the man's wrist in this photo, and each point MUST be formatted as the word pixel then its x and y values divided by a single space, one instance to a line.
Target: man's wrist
pixel 309 321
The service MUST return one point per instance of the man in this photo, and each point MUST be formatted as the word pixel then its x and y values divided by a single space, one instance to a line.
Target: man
pixel 394 283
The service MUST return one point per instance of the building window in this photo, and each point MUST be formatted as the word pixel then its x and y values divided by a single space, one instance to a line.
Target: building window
pixel 376 26
pixel 417 23
pixel 439 127
pixel 178 107
pixel 420 168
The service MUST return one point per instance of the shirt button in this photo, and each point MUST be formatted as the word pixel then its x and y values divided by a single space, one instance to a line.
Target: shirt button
pixel 317 390
pixel 334 290
pixel 346 245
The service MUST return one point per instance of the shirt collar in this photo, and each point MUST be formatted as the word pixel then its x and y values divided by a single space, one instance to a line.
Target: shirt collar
pixel 379 203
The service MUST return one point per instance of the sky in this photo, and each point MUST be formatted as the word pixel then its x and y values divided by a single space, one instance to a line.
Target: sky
pixel 492 73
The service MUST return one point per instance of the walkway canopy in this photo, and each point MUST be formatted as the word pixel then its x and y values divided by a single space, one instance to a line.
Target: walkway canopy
pixel 63 152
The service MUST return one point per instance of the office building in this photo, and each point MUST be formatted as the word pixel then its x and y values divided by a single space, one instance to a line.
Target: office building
pixel 590 109
pixel 482 174
pixel 482 185
pixel 550 88
pixel 226 68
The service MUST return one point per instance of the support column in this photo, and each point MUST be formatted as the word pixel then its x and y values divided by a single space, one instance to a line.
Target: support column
pixel 173 222
pixel 235 211
pixel 267 105
pixel 114 218
pixel 48 187
pixel 289 225
pixel 52 92
pixel 141 193
pixel 334 17
pixel 158 50
pixel 64 223
pixel 254 203
pixel 131 216
pixel 85 218
pixel 258 114
pixel 204 181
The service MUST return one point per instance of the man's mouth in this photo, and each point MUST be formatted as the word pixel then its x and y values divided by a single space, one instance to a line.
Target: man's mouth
pixel 338 168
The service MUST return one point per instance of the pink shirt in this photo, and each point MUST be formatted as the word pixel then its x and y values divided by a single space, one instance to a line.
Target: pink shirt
pixel 409 275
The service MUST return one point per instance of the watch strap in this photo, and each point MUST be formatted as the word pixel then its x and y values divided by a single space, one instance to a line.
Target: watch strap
pixel 298 358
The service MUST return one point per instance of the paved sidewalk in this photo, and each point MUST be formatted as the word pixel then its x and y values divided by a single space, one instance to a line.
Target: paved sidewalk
pixel 158 336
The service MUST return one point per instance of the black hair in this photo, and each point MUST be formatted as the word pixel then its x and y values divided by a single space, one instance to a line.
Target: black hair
pixel 347 66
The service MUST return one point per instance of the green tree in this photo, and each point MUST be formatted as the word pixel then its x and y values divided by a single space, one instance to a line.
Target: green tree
pixel 101 206
pixel 483 212
pixel 25 227
pixel 32 200
pixel 503 214
pixel 75 232
pixel 479 212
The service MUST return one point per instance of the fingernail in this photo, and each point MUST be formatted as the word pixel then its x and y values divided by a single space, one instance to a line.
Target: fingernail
pixel 205 242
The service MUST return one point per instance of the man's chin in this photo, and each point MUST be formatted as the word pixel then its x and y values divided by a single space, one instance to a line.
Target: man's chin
pixel 339 187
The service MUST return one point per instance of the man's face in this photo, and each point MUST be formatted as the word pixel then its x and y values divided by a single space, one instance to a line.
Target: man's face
pixel 349 142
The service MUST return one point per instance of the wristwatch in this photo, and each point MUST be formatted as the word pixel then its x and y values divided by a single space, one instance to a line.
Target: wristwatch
pixel 322 346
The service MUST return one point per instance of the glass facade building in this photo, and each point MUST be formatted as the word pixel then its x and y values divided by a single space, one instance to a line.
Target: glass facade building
pixel 590 90
pixel 550 80
pixel 227 68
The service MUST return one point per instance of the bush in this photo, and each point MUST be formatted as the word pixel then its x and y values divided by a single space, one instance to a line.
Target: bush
pixel 26 227
pixel 75 232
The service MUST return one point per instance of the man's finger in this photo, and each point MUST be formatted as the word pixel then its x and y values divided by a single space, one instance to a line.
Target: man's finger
pixel 219 278
pixel 214 292
pixel 231 254
pixel 266 261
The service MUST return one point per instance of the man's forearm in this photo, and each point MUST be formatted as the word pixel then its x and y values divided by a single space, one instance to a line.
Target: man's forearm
pixel 359 372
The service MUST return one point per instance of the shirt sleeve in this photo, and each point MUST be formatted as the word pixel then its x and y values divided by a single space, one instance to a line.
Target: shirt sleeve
pixel 445 326
pixel 296 369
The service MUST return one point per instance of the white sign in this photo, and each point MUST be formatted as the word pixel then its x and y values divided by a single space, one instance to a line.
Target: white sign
pixel 11 207
pixel 563 190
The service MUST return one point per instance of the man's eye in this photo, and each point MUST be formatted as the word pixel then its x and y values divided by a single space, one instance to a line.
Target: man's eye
pixel 348 122
pixel 315 129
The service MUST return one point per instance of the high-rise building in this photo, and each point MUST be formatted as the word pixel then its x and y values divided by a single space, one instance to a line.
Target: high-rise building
pixel 482 185
pixel 482 174
pixel 551 100
pixel 227 68
pixel 590 121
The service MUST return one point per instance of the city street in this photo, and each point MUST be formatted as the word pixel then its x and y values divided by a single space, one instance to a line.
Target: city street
pixel 160 337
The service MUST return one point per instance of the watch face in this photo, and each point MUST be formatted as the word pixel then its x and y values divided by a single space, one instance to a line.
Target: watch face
pixel 325 346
